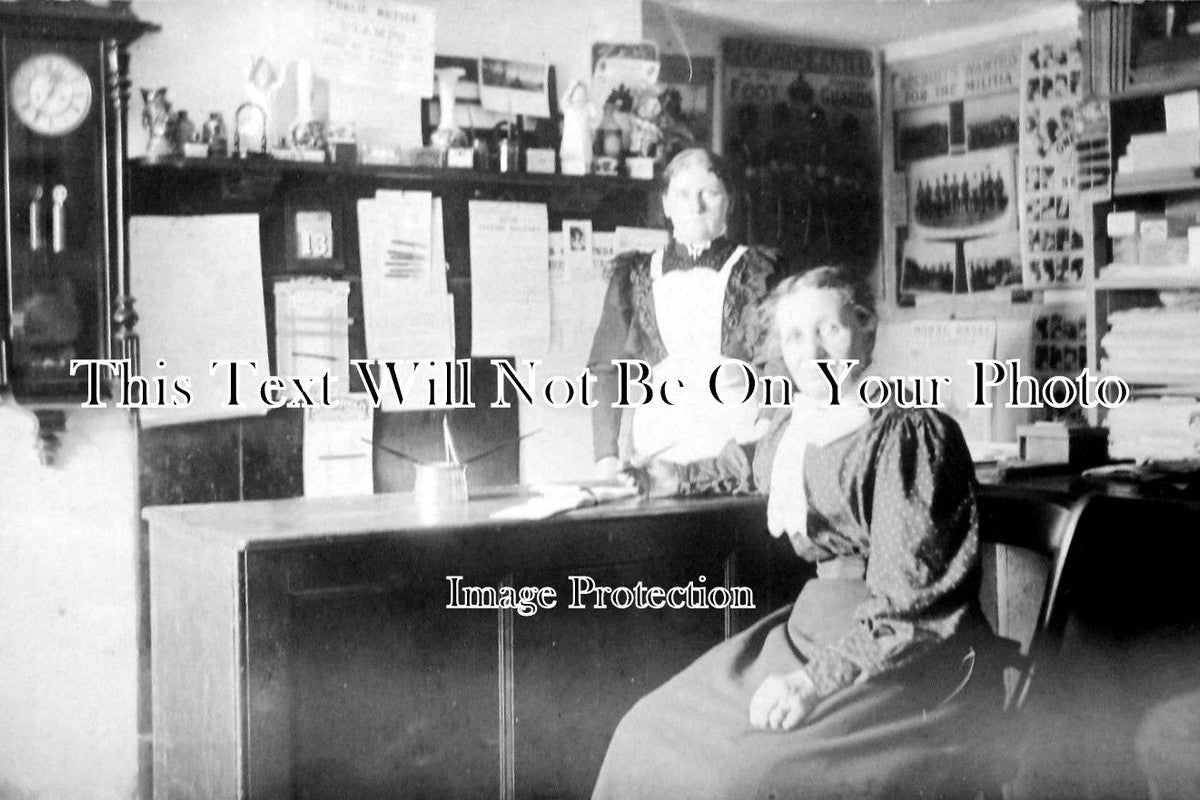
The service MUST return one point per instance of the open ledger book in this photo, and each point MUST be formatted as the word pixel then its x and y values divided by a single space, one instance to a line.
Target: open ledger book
pixel 554 498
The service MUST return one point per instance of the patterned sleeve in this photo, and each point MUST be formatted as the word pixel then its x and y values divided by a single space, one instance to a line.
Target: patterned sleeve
pixel 727 473
pixel 611 341
pixel 922 567
pixel 751 285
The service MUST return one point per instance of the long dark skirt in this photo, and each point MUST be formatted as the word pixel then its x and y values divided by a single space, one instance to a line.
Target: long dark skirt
pixel 922 731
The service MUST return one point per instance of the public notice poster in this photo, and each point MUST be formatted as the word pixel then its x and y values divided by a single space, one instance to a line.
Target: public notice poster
pixel 377 43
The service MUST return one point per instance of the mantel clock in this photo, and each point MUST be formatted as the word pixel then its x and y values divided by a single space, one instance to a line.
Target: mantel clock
pixel 65 95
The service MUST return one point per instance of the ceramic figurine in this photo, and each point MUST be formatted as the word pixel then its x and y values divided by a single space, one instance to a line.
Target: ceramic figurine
pixel 159 123
pixel 575 150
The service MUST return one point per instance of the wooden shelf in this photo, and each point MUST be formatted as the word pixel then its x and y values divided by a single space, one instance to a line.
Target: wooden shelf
pixel 267 167
pixel 1175 179
pixel 1148 277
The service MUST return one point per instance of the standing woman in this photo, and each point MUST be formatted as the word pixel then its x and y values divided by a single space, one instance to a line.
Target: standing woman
pixel 880 680
pixel 681 310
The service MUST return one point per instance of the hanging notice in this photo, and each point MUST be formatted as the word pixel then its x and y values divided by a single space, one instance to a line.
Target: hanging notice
pixel 377 43
pixel 510 283
pixel 942 347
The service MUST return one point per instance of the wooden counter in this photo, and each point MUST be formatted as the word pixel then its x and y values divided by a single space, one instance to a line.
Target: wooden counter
pixel 302 648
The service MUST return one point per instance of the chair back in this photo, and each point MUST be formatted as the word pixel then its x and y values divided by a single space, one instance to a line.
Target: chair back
pixel 1027 544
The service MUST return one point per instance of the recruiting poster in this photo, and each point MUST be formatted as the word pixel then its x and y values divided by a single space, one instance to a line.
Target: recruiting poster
pixel 800 130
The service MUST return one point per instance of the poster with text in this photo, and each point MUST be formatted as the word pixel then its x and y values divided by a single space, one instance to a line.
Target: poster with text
pixel 801 136
pixel 377 43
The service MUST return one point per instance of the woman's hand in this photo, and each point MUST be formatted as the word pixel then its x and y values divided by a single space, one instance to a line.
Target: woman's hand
pixel 782 702
pixel 608 467
pixel 653 478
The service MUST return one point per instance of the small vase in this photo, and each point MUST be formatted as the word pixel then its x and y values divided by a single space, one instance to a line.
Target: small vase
pixel 447 134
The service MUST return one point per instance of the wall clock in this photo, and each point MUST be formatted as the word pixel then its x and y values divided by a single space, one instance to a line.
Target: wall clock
pixel 50 93
pixel 63 69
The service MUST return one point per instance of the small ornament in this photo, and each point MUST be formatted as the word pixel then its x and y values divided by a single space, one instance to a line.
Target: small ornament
pixel 159 123
pixel 214 135
pixel 448 134
pixel 575 149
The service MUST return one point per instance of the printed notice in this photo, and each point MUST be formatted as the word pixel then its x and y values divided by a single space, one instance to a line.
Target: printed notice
pixel 377 43
pixel 510 284
pixel 337 450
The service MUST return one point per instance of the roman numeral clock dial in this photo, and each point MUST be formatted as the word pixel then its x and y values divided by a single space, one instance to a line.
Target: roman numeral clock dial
pixel 50 94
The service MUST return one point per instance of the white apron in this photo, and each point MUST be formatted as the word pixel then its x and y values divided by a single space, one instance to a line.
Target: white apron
pixel 689 306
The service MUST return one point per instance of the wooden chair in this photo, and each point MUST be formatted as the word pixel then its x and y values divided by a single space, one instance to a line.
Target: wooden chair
pixel 1027 547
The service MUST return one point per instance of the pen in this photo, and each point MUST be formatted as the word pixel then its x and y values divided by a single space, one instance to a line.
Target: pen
pixel 394 452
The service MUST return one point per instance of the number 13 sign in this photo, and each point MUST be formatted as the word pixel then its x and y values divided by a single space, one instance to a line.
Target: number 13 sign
pixel 313 235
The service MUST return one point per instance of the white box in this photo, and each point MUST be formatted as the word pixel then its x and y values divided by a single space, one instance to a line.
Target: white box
pixel 539 160
pixel 1182 110
pixel 1154 229
pixel 460 157
pixel 640 167
pixel 1122 224
pixel 1194 246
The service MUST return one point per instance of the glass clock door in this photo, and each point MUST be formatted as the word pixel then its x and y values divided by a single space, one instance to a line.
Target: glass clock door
pixel 54 199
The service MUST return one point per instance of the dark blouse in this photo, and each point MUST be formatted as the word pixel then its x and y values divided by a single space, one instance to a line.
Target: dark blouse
pixel 628 327
pixel 899 494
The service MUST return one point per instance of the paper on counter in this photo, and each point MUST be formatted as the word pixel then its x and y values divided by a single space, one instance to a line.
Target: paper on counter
pixel 510 286
pixel 555 499
pixel 198 281
pixel 337 449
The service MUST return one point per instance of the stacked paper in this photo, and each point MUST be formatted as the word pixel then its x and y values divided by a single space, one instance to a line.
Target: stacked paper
pixel 1164 428
pixel 1150 151
pixel 1153 345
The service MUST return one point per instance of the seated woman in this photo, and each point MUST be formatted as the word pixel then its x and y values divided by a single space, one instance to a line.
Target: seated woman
pixel 880 680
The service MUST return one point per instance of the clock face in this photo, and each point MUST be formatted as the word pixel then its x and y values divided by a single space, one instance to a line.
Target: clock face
pixel 51 94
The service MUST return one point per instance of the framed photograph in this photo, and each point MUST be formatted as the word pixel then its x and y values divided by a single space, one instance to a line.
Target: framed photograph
pixel 514 88
pixel 577 246
pixel 930 267
pixel 312 234
pixel 963 196
pixel 993 262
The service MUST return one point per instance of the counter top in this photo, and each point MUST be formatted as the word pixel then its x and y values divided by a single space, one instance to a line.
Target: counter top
pixel 265 522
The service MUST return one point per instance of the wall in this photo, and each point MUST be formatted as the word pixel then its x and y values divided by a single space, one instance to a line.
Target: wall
pixel 68 647
pixel 68 535
pixel 203 59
